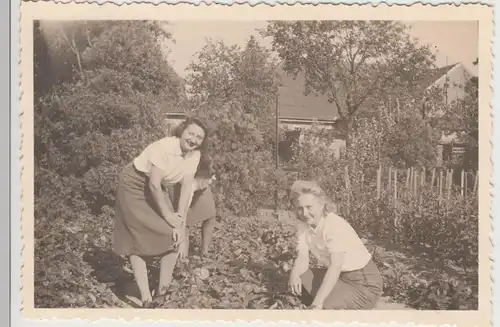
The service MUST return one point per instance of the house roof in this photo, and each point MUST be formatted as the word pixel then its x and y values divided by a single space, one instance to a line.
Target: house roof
pixel 294 104
pixel 434 75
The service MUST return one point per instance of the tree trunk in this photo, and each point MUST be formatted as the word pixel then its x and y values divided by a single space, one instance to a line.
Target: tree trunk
pixel 348 127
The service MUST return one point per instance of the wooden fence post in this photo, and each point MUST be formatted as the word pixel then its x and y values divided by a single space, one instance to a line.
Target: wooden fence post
pixel 379 180
pixel 433 178
pixel 476 181
pixel 396 205
pixel 422 186
pixel 440 192
pixel 408 187
pixel 390 181
pixel 466 177
pixel 415 183
pixel 347 187
pixel 462 183
pixel 450 184
pixel 395 185
pixel 362 182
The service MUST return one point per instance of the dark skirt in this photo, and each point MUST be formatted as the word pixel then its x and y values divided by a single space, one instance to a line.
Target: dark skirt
pixel 202 207
pixel 139 227
pixel 355 290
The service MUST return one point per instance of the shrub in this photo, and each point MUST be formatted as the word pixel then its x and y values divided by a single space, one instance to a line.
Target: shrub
pixel 87 128
pixel 238 88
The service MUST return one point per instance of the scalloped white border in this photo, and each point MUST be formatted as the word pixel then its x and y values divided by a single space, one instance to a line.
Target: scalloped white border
pixel 128 10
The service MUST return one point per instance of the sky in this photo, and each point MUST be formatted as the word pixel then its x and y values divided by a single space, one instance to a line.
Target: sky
pixel 452 41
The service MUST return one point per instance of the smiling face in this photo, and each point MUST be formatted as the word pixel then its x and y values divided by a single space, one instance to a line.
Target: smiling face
pixel 309 208
pixel 191 138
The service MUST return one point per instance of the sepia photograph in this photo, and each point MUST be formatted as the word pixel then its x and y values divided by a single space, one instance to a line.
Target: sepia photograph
pixel 274 164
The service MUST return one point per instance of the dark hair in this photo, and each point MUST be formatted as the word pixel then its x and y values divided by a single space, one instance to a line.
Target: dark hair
pixel 205 167
pixel 177 132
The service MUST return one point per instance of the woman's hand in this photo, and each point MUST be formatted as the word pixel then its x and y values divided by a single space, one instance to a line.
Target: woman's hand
pixel 175 220
pixel 178 236
pixel 295 283
pixel 203 183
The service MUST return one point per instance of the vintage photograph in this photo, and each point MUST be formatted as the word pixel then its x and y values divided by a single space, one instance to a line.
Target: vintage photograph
pixel 274 164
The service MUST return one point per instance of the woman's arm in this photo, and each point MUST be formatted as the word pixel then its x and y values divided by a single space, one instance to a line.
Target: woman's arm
pixel 301 264
pixel 330 278
pixel 186 195
pixel 166 211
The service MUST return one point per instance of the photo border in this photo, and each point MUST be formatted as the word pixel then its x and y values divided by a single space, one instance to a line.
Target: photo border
pixel 485 127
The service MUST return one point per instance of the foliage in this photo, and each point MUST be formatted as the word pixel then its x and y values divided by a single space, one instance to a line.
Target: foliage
pixel 91 127
pixel 462 118
pixel 97 112
pixel 350 61
pixel 237 89
pixel 444 229
pixel 104 104
pixel 248 269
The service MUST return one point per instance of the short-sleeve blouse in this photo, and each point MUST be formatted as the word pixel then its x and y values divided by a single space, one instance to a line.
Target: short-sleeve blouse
pixel 333 234
pixel 166 154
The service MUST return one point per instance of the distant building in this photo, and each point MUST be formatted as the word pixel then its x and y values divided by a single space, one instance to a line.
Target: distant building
pixel 297 112
pixel 452 80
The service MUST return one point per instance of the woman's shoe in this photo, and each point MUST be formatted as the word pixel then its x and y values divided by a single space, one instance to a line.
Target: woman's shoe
pixel 160 299
pixel 148 304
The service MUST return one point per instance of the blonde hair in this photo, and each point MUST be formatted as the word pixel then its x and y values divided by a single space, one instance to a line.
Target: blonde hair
pixel 302 187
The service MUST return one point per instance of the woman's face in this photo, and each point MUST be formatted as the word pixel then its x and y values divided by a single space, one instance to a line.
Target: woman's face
pixel 192 138
pixel 309 208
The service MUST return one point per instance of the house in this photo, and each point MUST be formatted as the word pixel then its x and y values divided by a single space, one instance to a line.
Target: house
pixel 297 111
pixel 451 80
pixel 173 119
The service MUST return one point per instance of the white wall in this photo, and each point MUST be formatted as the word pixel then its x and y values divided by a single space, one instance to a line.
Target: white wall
pixel 337 145
pixel 457 79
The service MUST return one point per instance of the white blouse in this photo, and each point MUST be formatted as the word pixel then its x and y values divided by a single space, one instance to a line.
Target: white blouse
pixel 332 235
pixel 166 154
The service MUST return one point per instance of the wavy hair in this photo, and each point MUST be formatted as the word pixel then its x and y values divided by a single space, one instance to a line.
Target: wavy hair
pixel 302 187
pixel 178 130
pixel 205 167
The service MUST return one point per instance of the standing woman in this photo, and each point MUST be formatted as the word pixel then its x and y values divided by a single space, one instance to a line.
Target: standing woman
pixel 145 224
pixel 350 280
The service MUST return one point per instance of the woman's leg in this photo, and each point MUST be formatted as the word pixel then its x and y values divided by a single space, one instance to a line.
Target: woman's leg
pixel 167 265
pixel 141 276
pixel 351 291
pixel 207 232
pixel 184 247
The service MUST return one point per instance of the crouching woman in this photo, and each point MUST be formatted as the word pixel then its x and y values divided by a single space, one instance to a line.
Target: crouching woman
pixel 349 280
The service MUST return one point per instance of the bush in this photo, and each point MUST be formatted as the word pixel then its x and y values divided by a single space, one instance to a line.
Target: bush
pixel 445 230
pixel 87 128
pixel 237 87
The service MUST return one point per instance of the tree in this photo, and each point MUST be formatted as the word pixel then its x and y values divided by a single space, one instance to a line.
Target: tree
pixel 90 124
pixel 237 87
pixel 461 118
pixel 349 61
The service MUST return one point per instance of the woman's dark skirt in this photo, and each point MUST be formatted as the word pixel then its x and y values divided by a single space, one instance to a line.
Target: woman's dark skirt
pixel 355 290
pixel 139 227
pixel 202 206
